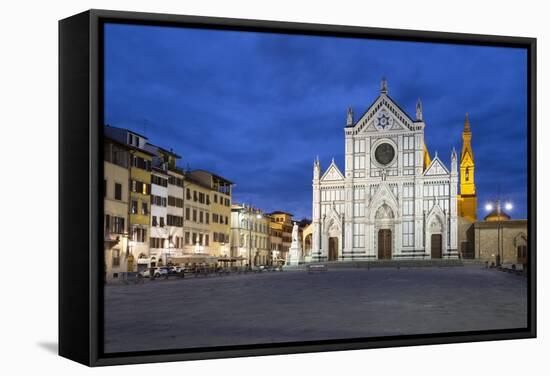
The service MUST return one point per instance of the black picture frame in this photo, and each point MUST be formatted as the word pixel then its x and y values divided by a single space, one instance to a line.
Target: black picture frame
pixel 80 188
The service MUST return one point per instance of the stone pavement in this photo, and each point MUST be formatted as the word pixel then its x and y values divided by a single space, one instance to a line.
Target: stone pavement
pixel 297 306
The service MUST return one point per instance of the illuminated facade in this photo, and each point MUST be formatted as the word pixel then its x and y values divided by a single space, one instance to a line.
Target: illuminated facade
pixel 250 235
pixel 392 201
pixel 467 199
pixel 280 236
pixel 115 207
pixel 140 167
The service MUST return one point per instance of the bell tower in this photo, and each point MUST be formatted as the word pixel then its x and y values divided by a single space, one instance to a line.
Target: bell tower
pixel 467 200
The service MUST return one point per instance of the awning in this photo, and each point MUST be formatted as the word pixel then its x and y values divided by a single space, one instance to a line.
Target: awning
pixel 196 258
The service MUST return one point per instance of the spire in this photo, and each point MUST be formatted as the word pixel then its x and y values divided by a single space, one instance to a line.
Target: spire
pixel 419 110
pixel 467 123
pixel 384 86
pixel 316 168
pixel 454 165
pixel 349 121
pixel 427 159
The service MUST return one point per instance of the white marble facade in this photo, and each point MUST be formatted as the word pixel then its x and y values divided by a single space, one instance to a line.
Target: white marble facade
pixel 388 203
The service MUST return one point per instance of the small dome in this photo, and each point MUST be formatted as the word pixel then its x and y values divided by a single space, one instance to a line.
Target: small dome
pixel 496 216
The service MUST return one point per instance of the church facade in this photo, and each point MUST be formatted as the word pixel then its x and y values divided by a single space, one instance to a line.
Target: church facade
pixel 391 201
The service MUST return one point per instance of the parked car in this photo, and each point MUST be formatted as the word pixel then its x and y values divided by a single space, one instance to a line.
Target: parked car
pixel 175 269
pixel 157 272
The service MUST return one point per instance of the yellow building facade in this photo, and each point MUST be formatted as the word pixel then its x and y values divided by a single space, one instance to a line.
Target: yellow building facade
pixel 467 199
pixel 115 209
pixel 281 228
pixel 196 223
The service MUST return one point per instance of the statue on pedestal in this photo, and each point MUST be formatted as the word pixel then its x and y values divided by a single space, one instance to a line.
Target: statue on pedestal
pixel 295 251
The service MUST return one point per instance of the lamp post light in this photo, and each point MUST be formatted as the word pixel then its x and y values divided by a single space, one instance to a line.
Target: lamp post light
pixel 497 206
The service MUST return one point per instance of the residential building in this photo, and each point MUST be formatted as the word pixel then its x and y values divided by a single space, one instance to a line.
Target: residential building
pixel 158 242
pixel 196 225
pixel 250 235
pixel 140 167
pixel 281 235
pixel 115 207
pixel 172 205
pixel 220 211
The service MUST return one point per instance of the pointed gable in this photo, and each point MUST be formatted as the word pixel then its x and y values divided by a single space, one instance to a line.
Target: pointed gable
pixel 332 173
pixel 436 167
pixel 382 107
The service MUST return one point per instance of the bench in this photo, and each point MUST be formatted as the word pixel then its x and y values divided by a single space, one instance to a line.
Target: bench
pixel 312 268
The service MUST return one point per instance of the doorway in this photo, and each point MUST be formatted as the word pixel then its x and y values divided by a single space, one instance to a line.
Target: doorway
pixel 436 246
pixel 384 244
pixel 332 249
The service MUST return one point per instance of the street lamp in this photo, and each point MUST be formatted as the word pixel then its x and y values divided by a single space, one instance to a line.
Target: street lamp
pixel 498 208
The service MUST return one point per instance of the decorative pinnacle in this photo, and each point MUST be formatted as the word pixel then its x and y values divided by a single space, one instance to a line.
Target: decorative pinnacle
pixel 349 120
pixel 419 110
pixel 467 123
pixel 384 86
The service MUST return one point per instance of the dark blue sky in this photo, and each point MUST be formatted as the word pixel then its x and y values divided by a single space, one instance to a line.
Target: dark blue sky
pixel 256 108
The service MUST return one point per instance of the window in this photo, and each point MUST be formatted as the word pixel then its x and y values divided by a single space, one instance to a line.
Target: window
pixel 161 219
pixel 207 218
pixel 206 239
pixel 174 220
pixel 226 220
pixel 107 223
pixel 195 196
pixel 207 199
pixel 194 215
pixel 214 218
pixel 118 191
pixel 188 194
pixel 134 208
pixel 116 257
pixel 154 221
pixel 408 233
pixel 139 234
pixel 141 163
pixel 200 238
pixel 187 237
pixel 194 237
pixel 201 217
pixel 187 214
pixel 117 226
pixel 216 198
pixel 157 180
pixel 144 208
pixel 227 202
pixel 175 201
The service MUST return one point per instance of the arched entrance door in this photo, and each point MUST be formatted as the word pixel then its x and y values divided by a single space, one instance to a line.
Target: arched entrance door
pixel 332 249
pixel 384 244
pixel 437 242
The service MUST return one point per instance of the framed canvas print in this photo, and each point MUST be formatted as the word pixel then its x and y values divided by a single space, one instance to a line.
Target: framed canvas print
pixel 239 187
